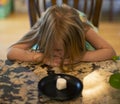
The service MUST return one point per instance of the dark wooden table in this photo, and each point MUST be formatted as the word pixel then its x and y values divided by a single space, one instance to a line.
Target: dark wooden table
pixel 19 83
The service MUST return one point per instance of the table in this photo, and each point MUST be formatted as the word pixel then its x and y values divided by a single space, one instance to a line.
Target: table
pixel 19 80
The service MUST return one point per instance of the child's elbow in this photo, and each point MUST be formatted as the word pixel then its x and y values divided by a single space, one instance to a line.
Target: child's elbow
pixel 9 54
pixel 112 52
pixel 9 57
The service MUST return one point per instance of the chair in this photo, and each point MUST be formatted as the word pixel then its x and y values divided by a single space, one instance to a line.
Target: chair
pixel 91 8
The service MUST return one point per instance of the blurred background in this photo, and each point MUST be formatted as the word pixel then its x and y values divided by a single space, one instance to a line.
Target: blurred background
pixel 14 23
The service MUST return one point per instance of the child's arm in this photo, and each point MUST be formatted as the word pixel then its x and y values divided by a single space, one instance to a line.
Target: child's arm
pixel 103 50
pixel 21 52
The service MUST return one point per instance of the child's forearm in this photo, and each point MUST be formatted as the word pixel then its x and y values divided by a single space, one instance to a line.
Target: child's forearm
pixel 98 55
pixel 24 55
pixel 93 56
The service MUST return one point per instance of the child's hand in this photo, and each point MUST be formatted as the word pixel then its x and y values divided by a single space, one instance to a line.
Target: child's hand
pixel 38 57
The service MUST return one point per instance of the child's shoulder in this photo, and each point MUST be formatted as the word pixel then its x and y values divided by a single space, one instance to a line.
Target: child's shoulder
pixel 86 23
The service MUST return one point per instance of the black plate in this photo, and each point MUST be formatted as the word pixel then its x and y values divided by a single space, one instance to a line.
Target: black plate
pixel 47 86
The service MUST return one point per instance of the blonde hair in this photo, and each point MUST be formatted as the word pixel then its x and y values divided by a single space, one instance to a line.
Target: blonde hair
pixel 59 23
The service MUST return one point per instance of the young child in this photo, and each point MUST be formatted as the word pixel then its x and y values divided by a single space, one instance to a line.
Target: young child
pixel 60 37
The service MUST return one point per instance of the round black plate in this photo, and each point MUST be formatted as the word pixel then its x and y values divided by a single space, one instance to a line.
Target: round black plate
pixel 47 86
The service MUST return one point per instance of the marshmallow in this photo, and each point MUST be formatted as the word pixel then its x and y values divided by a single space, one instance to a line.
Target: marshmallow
pixel 61 83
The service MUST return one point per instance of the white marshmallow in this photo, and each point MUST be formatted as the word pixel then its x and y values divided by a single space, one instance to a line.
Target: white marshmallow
pixel 61 83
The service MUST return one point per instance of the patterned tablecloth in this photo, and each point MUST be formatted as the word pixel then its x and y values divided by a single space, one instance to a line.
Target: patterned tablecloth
pixel 19 83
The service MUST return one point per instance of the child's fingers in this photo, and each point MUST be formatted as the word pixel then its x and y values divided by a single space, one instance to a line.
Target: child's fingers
pixel 38 57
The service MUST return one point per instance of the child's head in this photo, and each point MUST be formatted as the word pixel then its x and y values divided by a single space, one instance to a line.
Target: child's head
pixel 61 30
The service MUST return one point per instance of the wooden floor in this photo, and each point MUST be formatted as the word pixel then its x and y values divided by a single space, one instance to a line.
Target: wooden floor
pixel 16 25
